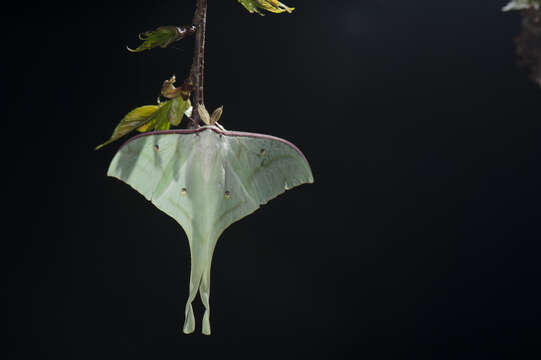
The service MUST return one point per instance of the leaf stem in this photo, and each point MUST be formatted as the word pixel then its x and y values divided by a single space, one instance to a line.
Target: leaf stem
pixel 198 64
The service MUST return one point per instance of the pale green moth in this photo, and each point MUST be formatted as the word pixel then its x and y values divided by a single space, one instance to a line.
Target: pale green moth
pixel 206 179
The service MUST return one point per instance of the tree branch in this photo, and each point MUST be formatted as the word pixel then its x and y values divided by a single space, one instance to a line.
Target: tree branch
pixel 198 64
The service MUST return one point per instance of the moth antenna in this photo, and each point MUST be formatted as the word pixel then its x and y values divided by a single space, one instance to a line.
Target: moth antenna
pixel 203 114
pixel 216 115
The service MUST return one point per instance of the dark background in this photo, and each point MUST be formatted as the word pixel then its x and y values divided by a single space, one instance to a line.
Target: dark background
pixel 420 236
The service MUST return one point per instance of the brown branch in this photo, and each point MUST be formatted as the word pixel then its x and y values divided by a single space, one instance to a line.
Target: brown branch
pixel 198 64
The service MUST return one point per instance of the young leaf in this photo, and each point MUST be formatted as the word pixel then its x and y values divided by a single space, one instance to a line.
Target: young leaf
pixel 147 127
pixel 133 120
pixel 163 126
pixel 161 117
pixel 150 117
pixel 179 106
pixel 163 37
pixel 169 90
pixel 170 113
pixel 273 6
pixel 522 4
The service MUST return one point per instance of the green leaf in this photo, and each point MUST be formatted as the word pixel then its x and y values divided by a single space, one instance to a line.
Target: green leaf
pixel 273 6
pixel 522 4
pixel 251 6
pixel 161 118
pixel 151 117
pixel 133 120
pixel 178 107
pixel 163 37
pixel 163 126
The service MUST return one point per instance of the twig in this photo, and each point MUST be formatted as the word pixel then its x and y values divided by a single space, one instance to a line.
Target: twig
pixel 198 64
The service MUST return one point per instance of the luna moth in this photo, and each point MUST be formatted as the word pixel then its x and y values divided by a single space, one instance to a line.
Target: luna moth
pixel 206 179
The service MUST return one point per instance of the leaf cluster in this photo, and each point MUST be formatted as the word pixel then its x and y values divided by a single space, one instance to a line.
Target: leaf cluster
pixel 163 37
pixel 522 4
pixel 154 117
pixel 171 112
pixel 273 6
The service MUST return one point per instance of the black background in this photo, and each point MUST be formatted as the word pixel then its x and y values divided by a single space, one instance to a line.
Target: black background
pixel 419 237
